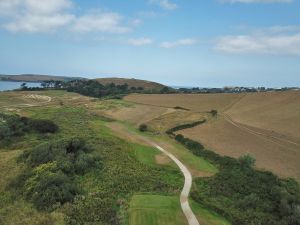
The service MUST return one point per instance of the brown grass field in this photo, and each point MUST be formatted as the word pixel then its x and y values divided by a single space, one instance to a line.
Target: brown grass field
pixel 265 125
pixel 194 102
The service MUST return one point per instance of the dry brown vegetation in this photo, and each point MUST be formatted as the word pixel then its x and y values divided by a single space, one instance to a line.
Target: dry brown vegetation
pixel 194 102
pixel 265 125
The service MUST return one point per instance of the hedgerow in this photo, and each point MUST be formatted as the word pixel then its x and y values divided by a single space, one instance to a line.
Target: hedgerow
pixel 171 131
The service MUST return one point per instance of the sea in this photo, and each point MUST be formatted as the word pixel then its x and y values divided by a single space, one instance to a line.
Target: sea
pixel 11 85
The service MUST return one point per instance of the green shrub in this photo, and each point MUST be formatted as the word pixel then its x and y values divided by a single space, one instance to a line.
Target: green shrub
pixel 49 190
pixel 143 127
pixel 83 163
pixel 43 126
pixel 5 132
pixel 247 160
pixel 214 112
pixel 16 126
pixel 179 137
pixel 48 181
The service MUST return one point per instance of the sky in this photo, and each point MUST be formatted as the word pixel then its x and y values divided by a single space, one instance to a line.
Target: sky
pixel 205 43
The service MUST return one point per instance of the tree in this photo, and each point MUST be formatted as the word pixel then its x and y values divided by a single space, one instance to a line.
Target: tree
pixel 214 112
pixel 165 90
pixel 23 86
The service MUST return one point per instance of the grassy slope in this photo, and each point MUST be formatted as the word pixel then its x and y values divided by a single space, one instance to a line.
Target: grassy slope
pixel 197 165
pixel 122 169
pixel 132 83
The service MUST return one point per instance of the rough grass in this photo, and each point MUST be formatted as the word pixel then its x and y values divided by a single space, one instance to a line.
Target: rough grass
pixel 127 167
pixel 197 165
pixel 206 216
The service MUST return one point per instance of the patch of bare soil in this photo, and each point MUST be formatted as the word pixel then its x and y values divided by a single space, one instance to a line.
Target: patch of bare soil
pixel 162 159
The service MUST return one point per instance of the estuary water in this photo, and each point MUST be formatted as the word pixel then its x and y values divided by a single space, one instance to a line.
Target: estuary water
pixel 11 85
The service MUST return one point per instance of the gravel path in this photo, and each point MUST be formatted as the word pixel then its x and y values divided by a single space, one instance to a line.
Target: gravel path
pixel 190 216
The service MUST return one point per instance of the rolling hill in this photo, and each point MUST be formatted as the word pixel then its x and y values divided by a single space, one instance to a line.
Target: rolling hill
pixel 264 125
pixel 147 85
pixel 35 78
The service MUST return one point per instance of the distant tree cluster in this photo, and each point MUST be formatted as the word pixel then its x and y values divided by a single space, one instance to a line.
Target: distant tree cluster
pixel 95 89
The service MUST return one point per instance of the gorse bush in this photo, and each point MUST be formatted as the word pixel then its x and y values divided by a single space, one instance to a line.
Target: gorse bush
pixel 48 187
pixel 49 180
pixel 43 126
pixel 16 126
pixel 242 194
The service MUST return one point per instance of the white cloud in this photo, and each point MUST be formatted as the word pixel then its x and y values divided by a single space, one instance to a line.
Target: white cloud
pixel 39 23
pixel 100 22
pixel 50 15
pixel 166 4
pixel 276 44
pixel 140 41
pixel 256 1
pixel 182 42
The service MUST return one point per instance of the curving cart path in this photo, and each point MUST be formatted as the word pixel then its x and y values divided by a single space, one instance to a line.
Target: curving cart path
pixel 190 216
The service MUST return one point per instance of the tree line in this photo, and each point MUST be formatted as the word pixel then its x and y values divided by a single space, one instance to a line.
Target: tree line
pixel 93 88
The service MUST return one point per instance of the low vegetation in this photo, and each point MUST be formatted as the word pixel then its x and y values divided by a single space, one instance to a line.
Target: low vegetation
pixel 143 127
pixel 16 126
pixel 242 194
pixel 88 179
pixel 48 180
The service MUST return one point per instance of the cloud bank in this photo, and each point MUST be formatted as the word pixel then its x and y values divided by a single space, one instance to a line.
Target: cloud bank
pixel 275 40
pixel 181 42
pixel 36 16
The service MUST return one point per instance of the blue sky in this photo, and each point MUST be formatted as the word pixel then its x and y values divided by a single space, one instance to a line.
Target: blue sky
pixel 207 43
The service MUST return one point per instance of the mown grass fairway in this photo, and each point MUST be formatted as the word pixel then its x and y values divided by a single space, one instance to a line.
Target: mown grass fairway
pixel 155 210
pixel 165 210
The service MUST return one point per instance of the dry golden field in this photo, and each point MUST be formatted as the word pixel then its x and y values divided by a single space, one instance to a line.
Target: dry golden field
pixel 265 125
pixel 194 102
